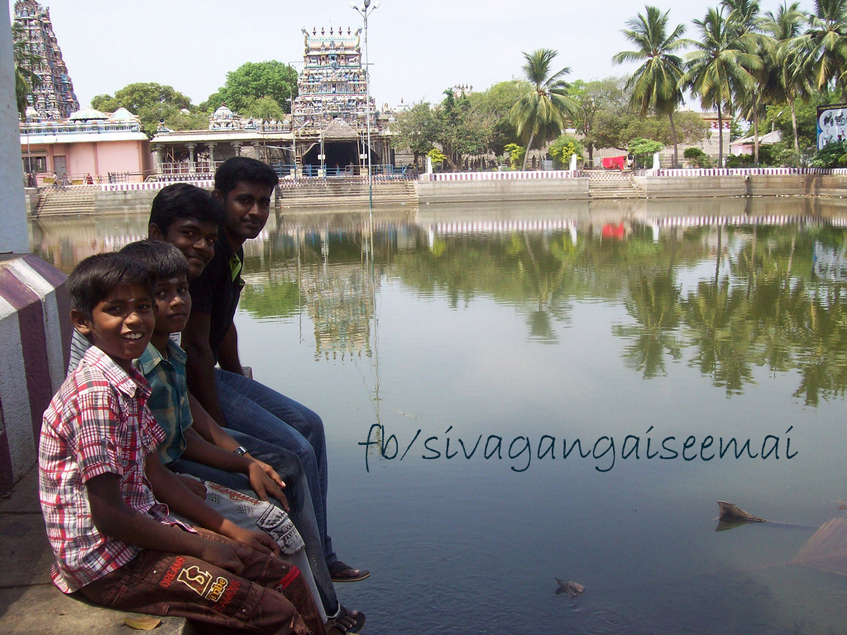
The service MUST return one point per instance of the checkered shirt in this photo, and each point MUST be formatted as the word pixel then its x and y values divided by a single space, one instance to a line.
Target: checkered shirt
pixel 97 423
pixel 169 396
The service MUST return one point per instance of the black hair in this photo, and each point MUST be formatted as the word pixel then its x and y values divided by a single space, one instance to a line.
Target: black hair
pixel 162 259
pixel 243 169
pixel 183 200
pixel 93 279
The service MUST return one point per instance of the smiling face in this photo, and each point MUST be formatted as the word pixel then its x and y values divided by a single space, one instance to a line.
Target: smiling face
pixel 247 209
pixel 193 237
pixel 121 324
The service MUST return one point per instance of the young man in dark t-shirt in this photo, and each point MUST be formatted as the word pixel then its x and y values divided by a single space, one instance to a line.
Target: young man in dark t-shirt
pixel 244 186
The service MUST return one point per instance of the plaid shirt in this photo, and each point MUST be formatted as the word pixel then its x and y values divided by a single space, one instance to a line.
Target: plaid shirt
pixel 97 423
pixel 169 397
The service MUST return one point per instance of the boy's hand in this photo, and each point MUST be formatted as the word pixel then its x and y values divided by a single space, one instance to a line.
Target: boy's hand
pixel 263 484
pixel 222 555
pixel 258 540
pixel 194 486
pixel 271 473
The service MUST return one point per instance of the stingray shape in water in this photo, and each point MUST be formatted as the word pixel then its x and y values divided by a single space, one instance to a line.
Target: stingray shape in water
pixel 571 588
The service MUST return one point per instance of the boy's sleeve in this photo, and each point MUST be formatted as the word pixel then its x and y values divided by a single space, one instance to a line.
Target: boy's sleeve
pixel 96 433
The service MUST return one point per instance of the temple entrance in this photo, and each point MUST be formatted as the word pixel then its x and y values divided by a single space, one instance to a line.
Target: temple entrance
pixel 342 157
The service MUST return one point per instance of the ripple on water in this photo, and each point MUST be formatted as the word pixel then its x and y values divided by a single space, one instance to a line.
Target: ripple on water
pixel 605 622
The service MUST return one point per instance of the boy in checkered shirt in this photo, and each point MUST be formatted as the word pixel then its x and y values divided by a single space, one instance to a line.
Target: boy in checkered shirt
pixel 100 478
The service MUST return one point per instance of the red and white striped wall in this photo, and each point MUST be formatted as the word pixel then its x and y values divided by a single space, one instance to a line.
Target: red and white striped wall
pixel 35 331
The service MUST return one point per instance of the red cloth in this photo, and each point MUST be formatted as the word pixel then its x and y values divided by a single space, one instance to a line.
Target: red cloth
pixel 614 162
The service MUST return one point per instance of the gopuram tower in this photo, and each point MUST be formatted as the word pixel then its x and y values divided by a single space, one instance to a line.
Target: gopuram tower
pixel 53 98
pixel 329 117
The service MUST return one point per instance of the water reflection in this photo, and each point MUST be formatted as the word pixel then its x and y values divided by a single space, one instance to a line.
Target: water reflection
pixel 774 299
pixel 707 319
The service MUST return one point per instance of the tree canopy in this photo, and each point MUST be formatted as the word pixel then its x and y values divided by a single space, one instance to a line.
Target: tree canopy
pixel 152 103
pixel 253 82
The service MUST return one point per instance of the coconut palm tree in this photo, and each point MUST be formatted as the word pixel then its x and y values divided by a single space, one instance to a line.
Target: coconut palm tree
pixel 544 110
pixel 825 44
pixel 783 58
pixel 719 67
pixel 655 85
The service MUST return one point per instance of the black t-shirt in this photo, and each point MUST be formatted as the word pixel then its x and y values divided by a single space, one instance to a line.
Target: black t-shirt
pixel 215 293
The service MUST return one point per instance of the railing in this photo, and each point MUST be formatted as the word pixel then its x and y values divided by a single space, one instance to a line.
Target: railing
pixel 71 128
pixel 500 176
pixel 742 171
pixel 188 169
pixel 312 173
pixel 151 185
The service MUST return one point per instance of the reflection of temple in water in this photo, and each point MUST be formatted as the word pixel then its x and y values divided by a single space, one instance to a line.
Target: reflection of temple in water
pixel 340 301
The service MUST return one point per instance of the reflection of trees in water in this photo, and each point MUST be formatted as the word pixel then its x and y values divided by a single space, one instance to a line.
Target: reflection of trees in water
pixel 653 301
pixel 760 307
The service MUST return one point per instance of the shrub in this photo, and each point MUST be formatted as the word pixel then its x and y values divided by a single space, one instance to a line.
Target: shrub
pixel 562 149
pixel 698 158
pixel 516 153
pixel 832 155
pixel 642 150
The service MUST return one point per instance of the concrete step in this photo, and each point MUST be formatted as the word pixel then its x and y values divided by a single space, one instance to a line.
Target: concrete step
pixel 29 603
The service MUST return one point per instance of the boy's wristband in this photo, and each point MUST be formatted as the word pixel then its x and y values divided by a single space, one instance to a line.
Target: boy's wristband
pixel 240 451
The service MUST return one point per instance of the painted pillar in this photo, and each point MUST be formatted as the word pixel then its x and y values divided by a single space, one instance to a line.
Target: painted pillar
pixel 35 333
pixel 14 236
pixel 192 158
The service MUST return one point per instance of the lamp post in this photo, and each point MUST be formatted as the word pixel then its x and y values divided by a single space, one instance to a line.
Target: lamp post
pixel 365 10
pixel 293 124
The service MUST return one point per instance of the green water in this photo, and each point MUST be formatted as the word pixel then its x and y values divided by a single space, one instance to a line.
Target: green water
pixel 457 355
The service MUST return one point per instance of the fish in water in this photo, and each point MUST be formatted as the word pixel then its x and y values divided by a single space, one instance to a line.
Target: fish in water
pixel 571 588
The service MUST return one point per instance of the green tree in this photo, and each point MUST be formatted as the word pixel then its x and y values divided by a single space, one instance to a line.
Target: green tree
pixel 824 45
pixel 544 110
pixel 252 81
pixel 416 130
pixel 783 60
pixel 563 148
pixel 595 98
pixel 656 83
pixel 718 68
pixel 643 150
pixel 516 154
pixel 462 131
pixel 265 109
pixel 150 101
pixel 493 106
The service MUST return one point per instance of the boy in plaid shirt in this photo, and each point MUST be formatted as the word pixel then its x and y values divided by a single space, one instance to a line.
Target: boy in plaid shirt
pixel 113 540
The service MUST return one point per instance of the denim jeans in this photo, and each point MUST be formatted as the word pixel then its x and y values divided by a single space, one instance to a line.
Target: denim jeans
pixel 265 414
pixel 301 509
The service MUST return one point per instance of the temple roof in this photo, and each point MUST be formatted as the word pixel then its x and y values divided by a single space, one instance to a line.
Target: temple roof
pixel 87 114
pixel 339 129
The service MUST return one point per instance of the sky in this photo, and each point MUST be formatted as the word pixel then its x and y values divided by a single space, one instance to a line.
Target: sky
pixel 417 49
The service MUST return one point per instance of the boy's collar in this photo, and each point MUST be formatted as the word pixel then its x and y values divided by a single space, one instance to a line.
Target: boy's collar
pixel 152 357
pixel 127 382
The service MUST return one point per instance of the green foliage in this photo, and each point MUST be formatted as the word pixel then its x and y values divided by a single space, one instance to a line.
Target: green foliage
pixel 516 155
pixel 544 110
pixel 698 158
pixel 437 156
pixel 416 129
pixel 150 101
pixel 832 155
pixel 779 116
pixel 264 108
pixel 643 149
pixel 493 106
pixel 562 149
pixel 253 81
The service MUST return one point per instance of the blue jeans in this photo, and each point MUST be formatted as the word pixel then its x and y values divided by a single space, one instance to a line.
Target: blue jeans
pixel 297 494
pixel 265 414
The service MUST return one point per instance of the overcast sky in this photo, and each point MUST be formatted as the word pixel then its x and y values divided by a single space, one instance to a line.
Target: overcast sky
pixel 417 49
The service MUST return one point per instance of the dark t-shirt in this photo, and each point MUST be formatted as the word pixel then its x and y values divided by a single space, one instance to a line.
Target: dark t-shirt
pixel 215 293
